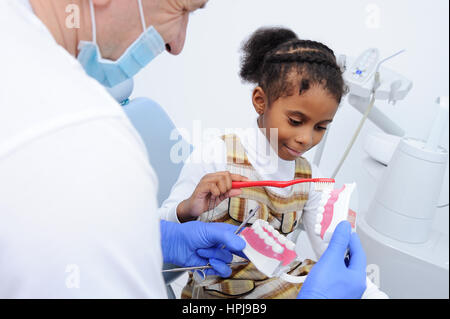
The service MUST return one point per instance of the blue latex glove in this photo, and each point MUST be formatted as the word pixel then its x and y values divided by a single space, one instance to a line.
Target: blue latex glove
pixel 333 277
pixel 197 244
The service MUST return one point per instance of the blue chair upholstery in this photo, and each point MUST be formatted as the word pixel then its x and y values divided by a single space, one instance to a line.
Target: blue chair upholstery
pixel 155 128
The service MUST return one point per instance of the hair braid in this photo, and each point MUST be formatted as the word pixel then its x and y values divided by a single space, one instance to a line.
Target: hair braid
pixel 272 55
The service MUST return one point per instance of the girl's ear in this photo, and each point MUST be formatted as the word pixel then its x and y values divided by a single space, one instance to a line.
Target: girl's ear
pixel 259 100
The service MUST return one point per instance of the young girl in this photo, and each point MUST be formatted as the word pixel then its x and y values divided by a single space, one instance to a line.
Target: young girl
pixel 298 90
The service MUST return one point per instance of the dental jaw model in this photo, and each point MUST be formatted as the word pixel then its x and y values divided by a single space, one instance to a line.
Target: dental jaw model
pixel 270 251
pixel 333 209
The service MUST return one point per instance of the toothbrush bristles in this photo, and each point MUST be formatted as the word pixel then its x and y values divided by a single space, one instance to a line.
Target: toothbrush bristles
pixel 324 187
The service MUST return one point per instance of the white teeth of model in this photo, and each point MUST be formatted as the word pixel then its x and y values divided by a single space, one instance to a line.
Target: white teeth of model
pixel 324 199
pixel 269 241
pixel 277 249
pixel 319 218
pixel 259 231
pixel 290 245
pixel 282 239
pixel 256 226
pixel 264 235
pixel 318 229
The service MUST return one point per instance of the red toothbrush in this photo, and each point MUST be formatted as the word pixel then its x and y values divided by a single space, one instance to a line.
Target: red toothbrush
pixel 321 184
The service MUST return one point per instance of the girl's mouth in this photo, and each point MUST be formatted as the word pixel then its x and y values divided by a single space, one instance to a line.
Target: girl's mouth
pixel 293 152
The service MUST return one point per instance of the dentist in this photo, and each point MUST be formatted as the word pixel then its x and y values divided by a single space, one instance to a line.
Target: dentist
pixel 77 193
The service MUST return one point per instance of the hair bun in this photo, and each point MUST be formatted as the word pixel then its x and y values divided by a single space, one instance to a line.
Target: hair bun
pixel 257 46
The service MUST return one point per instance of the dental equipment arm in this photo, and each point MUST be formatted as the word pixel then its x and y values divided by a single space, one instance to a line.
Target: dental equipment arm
pixel 358 79
pixel 367 82
pixel 197 244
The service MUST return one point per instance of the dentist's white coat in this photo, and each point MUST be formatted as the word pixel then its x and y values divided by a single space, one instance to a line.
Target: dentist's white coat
pixel 77 193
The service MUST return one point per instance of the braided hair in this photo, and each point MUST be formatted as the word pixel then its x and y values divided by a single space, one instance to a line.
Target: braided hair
pixel 278 61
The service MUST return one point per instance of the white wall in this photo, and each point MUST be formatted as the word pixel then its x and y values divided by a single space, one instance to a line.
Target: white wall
pixel 203 83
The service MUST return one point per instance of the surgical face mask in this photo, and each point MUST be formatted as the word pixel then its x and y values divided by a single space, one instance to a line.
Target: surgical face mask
pixel 111 73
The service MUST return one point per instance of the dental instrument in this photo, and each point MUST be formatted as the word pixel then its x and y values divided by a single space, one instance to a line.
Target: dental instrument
pixel 201 268
pixel 247 219
pixel 199 275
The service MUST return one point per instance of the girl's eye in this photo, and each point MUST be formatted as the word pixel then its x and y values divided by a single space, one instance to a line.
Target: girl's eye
pixel 321 128
pixel 294 122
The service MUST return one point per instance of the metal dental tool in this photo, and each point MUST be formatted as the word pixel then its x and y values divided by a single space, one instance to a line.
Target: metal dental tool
pixel 202 268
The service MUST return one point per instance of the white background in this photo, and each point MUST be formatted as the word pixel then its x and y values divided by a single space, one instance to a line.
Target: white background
pixel 203 83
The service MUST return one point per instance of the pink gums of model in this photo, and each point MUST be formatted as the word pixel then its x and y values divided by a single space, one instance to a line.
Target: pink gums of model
pixel 334 208
pixel 267 249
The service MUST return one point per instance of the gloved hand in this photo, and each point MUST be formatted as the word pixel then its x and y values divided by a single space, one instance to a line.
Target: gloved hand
pixel 333 277
pixel 197 244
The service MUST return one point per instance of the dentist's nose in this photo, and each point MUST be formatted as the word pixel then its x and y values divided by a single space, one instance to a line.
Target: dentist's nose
pixel 176 45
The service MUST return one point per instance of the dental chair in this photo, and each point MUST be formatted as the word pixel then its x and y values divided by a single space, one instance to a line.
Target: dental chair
pixel 155 127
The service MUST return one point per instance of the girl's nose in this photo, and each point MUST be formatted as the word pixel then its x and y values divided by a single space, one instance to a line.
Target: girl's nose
pixel 305 137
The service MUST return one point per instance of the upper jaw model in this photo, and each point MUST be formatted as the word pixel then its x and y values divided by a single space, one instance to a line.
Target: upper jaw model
pixel 333 209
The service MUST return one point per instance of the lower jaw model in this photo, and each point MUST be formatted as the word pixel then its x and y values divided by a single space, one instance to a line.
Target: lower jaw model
pixel 272 253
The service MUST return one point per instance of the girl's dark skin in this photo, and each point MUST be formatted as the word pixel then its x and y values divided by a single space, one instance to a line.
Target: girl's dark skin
pixel 301 119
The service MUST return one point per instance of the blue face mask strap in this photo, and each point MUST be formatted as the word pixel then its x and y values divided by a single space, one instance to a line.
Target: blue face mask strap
pixel 139 54
pixel 94 27
pixel 141 11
